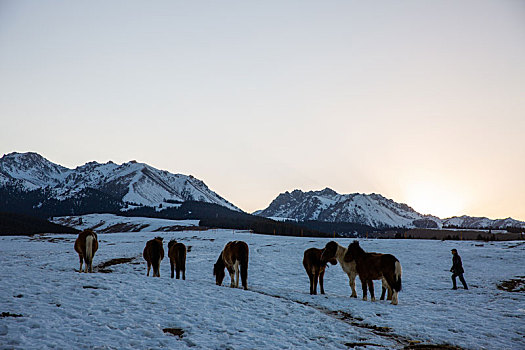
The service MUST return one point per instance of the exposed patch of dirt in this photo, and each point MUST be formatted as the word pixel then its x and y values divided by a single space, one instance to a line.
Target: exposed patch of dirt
pixel 124 227
pixel 431 347
pixel 514 285
pixel 103 267
pixel 353 345
pixel 90 287
pixel 50 239
pixel 93 228
pixel 175 228
pixel 174 331
pixel 196 238
pixel 515 245
pixel 8 314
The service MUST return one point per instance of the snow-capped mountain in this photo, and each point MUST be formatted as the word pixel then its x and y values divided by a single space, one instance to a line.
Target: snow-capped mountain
pixel 328 205
pixel 368 209
pixel 132 183
pixel 481 222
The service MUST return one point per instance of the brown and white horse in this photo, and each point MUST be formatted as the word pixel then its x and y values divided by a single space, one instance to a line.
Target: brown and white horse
pixel 177 255
pixel 86 245
pixel 375 266
pixel 153 254
pixel 333 250
pixel 233 257
pixel 315 268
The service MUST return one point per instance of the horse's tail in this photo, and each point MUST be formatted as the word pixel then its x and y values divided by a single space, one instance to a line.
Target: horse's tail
pixel 89 249
pixel 397 277
pixel 158 266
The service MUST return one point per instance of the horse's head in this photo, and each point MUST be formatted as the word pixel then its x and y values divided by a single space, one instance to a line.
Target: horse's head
pixel 353 251
pixel 329 252
pixel 172 242
pixel 159 239
pixel 218 272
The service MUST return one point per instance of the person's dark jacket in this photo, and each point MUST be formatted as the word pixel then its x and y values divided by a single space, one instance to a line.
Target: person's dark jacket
pixel 457 266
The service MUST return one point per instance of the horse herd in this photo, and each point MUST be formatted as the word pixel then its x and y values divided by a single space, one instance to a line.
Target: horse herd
pixel 234 257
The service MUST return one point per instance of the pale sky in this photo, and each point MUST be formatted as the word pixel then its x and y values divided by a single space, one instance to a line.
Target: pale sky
pixel 420 101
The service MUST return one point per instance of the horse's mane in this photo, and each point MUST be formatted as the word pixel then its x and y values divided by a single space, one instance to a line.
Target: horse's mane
pixel 356 248
pixel 172 242
pixel 159 238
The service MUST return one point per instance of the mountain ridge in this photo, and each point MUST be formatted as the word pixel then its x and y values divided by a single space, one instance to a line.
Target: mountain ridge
pixel 133 184
pixel 369 209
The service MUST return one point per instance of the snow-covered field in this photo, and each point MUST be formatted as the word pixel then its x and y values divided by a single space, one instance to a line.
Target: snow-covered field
pixel 124 309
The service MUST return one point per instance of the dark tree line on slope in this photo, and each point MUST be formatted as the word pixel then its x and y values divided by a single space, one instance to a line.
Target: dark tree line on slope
pixel 18 224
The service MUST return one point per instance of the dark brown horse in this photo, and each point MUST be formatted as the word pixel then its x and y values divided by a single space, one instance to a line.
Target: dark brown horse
pixel 86 245
pixel 177 255
pixel 315 268
pixel 153 254
pixel 375 266
pixel 233 257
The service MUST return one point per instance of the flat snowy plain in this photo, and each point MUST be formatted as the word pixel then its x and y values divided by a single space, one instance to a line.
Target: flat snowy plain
pixel 124 309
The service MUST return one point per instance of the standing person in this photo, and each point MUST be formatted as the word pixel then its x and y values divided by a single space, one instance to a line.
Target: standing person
pixel 457 269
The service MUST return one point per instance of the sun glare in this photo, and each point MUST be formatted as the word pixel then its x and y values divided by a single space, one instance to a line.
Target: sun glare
pixel 439 201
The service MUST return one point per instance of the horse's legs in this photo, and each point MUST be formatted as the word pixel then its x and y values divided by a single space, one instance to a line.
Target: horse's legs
pixel 158 266
pixel 172 268
pixel 371 288
pixel 90 264
pixel 237 270
pixel 232 278
pixel 321 276
pixel 178 272
pixel 384 288
pixel 149 267
pixel 316 278
pixel 81 260
pixel 184 273
pixel 364 284
pixel 394 298
pixel 311 278
pixel 351 282
pixel 86 265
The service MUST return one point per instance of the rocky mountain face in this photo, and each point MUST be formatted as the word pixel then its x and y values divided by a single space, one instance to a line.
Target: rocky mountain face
pixel 367 209
pixel 29 177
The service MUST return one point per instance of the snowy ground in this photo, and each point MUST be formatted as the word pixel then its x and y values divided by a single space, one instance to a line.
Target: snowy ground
pixel 123 309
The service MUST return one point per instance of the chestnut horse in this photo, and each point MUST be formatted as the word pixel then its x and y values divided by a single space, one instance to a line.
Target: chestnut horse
pixel 153 254
pixel 374 266
pixel 333 250
pixel 86 245
pixel 234 257
pixel 315 268
pixel 177 255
